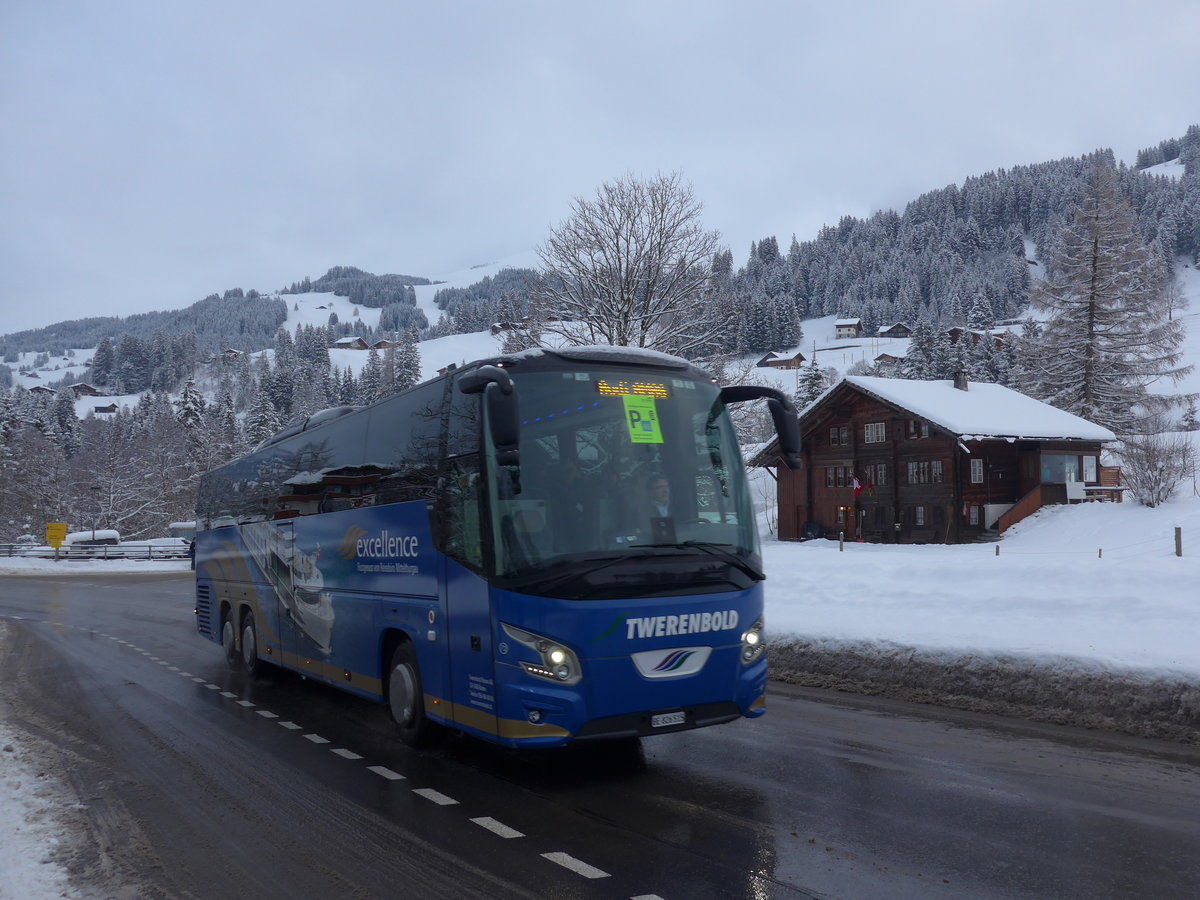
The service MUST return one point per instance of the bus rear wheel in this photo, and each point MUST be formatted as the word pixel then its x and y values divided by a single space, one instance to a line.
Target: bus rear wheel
pixel 250 660
pixel 229 640
pixel 406 699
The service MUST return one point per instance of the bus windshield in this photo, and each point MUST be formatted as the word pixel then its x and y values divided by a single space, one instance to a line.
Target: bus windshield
pixel 620 466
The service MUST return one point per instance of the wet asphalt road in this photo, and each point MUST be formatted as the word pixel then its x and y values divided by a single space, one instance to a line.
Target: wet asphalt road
pixel 198 782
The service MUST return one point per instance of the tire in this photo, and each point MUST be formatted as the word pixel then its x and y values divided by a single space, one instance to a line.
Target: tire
pixel 250 661
pixel 229 640
pixel 406 700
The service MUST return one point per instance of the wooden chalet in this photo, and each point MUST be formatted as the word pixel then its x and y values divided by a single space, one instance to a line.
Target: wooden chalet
pixel 847 328
pixel 897 461
pixel 896 330
pixel 350 343
pixel 83 389
pixel 774 361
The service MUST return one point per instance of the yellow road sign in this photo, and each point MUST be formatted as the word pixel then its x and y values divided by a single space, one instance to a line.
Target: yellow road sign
pixel 55 533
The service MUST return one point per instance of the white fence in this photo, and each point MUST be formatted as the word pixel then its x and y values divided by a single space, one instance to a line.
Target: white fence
pixel 132 550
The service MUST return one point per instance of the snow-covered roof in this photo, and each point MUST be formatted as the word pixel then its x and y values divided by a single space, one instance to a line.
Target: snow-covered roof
pixel 983 410
pixel 841 322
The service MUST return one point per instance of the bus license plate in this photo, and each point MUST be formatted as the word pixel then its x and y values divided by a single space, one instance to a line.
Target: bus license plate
pixel 662 720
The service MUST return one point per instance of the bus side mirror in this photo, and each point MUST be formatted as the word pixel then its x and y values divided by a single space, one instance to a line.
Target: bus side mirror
pixel 783 414
pixel 503 415
pixel 503 424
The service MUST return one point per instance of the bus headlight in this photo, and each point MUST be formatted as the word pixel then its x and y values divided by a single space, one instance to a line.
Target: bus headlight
pixel 556 662
pixel 753 645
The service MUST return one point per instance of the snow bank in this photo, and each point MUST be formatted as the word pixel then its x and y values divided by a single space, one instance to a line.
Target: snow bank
pixel 1086 615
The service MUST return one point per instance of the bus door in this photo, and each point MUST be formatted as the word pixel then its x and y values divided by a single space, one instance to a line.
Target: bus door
pixel 467 598
pixel 469 641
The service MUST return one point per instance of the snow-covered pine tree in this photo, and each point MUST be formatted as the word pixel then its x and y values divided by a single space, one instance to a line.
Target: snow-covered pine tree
pixel 190 406
pixel 371 379
pixel 103 364
pixel 408 360
pixel 810 384
pixel 262 419
pixel 1108 336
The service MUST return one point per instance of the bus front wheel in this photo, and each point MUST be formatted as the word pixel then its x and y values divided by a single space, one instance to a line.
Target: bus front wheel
pixel 250 661
pixel 407 700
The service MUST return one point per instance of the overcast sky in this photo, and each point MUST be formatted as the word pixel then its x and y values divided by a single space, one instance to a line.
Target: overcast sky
pixel 155 152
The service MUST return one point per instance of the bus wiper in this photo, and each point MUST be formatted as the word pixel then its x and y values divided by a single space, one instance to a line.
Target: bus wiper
pixel 550 582
pixel 715 550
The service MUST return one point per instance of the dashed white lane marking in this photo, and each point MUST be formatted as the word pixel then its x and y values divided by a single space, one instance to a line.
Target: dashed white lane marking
pixel 436 796
pixel 497 827
pixel 578 866
pixel 172 668
pixel 385 772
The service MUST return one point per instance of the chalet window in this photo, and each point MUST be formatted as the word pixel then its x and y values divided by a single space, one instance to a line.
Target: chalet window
pixel 829 476
pixel 1089 469
pixel 918 429
pixel 874 433
pixel 1059 467
pixel 839 436
pixel 921 472
pixel 918 515
pixel 841 476
pixel 879 474
pixel 977 471
pixel 973 515
pixel 935 471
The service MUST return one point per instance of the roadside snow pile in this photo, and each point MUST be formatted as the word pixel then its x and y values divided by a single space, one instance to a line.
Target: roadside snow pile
pixel 1086 615
pixel 28 800
pixel 19 565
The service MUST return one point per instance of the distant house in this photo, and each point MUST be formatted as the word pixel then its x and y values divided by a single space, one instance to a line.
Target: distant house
pixel 773 361
pixel 848 328
pixel 896 330
pixel 230 353
pixel 498 327
pixel 350 343
pixel 975 336
pixel 41 389
pixel 111 408
pixel 897 461
pixel 83 389
pixel 384 345
pixel 888 361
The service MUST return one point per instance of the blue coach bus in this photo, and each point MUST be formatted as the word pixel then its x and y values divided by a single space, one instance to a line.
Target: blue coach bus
pixel 544 547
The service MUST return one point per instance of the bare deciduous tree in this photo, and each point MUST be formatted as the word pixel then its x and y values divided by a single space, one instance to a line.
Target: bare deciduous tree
pixel 631 268
pixel 1154 465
